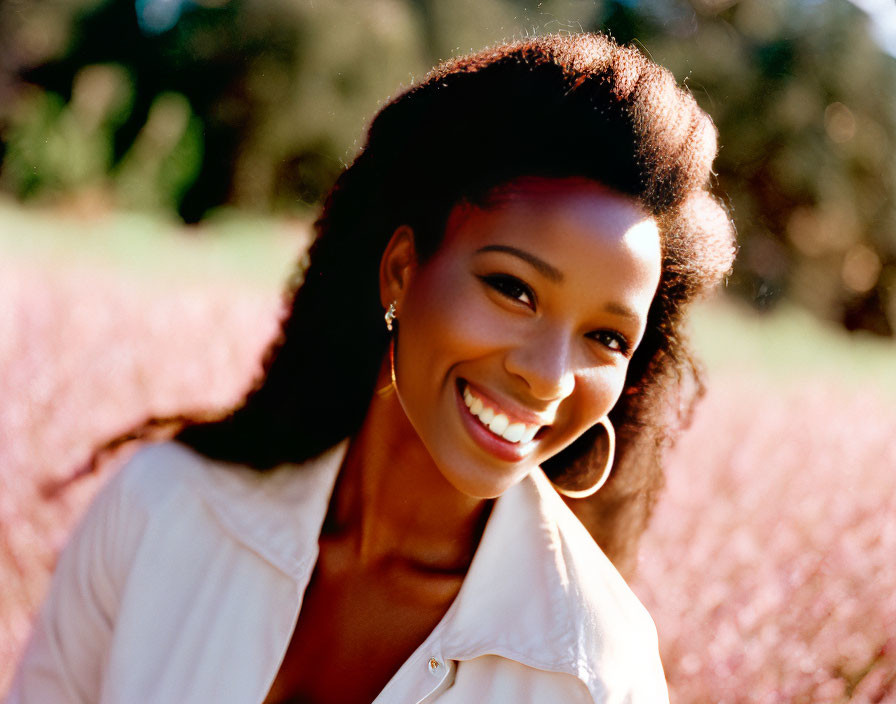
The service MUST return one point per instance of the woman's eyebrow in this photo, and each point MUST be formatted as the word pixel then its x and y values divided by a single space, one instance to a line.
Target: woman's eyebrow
pixel 551 272
pixel 623 311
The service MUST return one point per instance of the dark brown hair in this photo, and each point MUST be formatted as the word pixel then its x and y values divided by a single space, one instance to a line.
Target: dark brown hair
pixel 555 106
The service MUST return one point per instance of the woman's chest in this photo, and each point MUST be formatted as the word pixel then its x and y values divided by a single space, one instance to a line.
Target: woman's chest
pixel 355 630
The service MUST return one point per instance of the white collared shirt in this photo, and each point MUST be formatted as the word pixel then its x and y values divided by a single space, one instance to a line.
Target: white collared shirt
pixel 184 581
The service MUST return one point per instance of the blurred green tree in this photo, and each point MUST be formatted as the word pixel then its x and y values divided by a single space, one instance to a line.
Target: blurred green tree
pixel 803 98
pixel 272 97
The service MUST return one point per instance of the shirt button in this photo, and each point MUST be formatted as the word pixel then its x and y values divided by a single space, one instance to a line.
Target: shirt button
pixel 434 665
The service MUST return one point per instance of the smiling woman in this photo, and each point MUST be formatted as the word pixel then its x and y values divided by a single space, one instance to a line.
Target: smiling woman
pixel 498 282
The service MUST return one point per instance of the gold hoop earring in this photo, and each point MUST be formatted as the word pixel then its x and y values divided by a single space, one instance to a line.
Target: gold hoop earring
pixel 604 472
pixel 392 363
pixel 391 387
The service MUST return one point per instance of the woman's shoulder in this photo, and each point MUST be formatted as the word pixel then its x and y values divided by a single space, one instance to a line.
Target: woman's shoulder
pixel 276 513
pixel 157 472
pixel 162 472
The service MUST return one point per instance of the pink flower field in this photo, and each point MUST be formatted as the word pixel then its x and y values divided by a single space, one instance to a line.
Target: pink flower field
pixel 770 567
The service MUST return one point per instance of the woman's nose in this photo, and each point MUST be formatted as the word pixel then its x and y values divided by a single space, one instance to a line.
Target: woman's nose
pixel 544 362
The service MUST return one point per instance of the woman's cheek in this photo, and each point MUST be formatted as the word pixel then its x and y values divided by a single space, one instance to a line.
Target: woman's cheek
pixel 603 387
pixel 485 328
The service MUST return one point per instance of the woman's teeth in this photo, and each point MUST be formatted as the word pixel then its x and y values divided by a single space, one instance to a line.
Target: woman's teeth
pixel 497 422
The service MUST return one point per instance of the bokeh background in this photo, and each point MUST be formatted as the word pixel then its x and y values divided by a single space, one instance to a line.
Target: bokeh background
pixel 161 162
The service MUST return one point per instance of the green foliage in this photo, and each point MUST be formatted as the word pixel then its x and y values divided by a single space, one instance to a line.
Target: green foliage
pixel 56 146
pixel 259 104
pixel 802 98
pixel 163 160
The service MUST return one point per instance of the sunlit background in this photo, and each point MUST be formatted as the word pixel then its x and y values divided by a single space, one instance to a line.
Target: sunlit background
pixel 161 162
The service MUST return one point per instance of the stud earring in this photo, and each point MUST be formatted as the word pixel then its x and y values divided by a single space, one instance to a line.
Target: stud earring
pixel 390 315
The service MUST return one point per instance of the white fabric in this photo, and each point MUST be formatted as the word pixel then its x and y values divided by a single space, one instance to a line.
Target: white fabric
pixel 184 581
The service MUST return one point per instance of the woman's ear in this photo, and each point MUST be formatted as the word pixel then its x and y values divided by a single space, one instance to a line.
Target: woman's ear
pixel 397 266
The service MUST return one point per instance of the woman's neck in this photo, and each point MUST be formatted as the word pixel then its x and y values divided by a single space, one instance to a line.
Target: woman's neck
pixel 395 504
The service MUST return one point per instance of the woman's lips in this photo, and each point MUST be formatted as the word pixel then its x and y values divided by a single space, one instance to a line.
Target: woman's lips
pixel 496 420
pixel 497 431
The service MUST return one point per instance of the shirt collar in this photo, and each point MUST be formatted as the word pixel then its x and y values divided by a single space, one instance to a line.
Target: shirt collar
pixel 278 513
pixel 539 591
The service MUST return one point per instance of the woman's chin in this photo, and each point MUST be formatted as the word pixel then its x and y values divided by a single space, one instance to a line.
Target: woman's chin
pixel 480 476
pixel 482 488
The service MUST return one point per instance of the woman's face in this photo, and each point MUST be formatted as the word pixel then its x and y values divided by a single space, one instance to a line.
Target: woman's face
pixel 515 336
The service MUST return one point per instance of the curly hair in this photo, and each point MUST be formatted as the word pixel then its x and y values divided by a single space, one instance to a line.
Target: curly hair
pixel 552 106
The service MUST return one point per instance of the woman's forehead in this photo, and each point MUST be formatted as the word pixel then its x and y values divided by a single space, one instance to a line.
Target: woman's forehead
pixel 573 203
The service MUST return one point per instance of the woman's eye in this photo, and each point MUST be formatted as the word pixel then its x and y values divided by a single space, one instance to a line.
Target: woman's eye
pixel 612 340
pixel 511 287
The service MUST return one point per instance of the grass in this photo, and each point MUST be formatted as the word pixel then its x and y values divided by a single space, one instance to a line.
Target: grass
pixel 230 246
pixel 791 347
